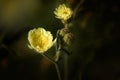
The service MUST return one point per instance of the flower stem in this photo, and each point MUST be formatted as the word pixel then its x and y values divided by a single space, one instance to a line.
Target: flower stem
pixel 65 67
pixel 48 58
pixel 77 8
pixel 66 25
pixel 56 65
pixel 58 71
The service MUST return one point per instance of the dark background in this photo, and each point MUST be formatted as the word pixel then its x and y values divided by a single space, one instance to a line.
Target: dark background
pixel 95 49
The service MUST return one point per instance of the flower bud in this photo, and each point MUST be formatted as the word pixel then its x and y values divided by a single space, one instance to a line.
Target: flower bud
pixel 68 38
pixel 64 31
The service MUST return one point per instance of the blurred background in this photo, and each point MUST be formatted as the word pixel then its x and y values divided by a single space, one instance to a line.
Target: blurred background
pixel 95 49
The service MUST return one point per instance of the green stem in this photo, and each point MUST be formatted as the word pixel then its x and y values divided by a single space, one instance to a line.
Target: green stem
pixel 56 65
pixel 58 71
pixel 66 25
pixel 48 58
pixel 57 56
pixel 65 67
pixel 77 8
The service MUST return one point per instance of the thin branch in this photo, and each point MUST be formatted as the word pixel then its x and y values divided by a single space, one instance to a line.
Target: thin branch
pixel 56 65
pixel 77 7
pixel 65 67
pixel 58 71
pixel 48 58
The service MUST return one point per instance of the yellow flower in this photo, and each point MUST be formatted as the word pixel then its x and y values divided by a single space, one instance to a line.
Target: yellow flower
pixel 63 12
pixel 40 40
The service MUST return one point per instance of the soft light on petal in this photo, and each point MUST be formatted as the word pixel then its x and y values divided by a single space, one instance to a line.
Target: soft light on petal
pixel 63 12
pixel 40 39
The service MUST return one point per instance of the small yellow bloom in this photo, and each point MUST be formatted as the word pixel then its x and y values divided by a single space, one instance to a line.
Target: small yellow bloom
pixel 63 12
pixel 40 39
